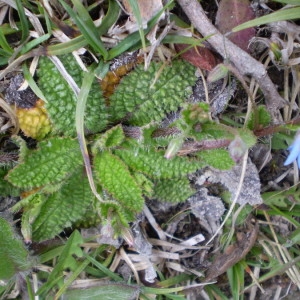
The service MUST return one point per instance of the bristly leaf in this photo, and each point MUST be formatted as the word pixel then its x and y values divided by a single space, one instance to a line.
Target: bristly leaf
pixel 7 189
pixel 51 163
pixel 63 208
pixel 216 158
pixel 118 215
pixel 175 190
pixel 110 139
pixel 154 164
pixel 259 118
pixel 13 255
pixel 212 131
pixel 247 136
pixel 61 100
pixel 116 179
pixel 149 95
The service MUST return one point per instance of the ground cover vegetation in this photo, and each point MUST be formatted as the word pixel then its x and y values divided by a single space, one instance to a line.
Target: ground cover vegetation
pixel 149 149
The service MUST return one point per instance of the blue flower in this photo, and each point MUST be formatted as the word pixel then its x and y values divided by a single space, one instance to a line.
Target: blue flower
pixel 294 151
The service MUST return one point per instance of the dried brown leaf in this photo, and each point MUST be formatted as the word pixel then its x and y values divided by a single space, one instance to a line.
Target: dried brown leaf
pixel 200 57
pixel 232 13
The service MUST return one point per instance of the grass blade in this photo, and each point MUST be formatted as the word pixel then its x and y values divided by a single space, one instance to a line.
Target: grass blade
pixel 292 2
pixel 23 20
pixel 136 12
pixel 110 18
pixel 32 44
pixel 105 270
pixel 87 30
pixel 67 47
pixel 281 15
pixel 32 83
pixel 4 44
pixel 132 41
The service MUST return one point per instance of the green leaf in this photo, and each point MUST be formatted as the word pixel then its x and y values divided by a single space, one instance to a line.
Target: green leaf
pixel 292 2
pixel 259 118
pixel 51 163
pixel 211 131
pixel 67 47
pixel 136 12
pixel 86 26
pixel 132 41
pixel 282 198
pixel 144 183
pixel 105 292
pixel 61 100
pixel 13 255
pixel 7 189
pixel 247 136
pixel 216 158
pixel 110 18
pixel 115 178
pixel 80 41
pixel 32 44
pixel 67 260
pixel 27 75
pixel 281 140
pixel 110 139
pixel 149 95
pixel 175 190
pixel 118 215
pixel 23 20
pixel 63 208
pixel 236 276
pixel 7 50
pixel 113 275
pixel 280 15
pixel 155 165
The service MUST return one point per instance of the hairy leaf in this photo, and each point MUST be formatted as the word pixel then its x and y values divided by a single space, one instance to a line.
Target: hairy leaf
pixel 6 188
pixel 118 216
pixel 259 118
pixel 247 136
pixel 175 190
pixel 54 159
pixel 149 95
pixel 115 178
pixel 216 158
pixel 212 131
pixel 63 208
pixel 110 139
pixel 155 165
pixel 13 255
pixel 61 100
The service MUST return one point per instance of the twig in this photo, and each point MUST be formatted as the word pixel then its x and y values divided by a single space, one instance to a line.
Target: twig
pixel 246 64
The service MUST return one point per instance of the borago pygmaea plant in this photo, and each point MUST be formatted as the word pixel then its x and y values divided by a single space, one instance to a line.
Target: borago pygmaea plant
pixel 127 148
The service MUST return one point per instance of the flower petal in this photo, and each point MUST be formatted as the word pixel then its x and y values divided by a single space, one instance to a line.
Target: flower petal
pixel 298 161
pixel 294 150
pixel 292 156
